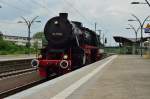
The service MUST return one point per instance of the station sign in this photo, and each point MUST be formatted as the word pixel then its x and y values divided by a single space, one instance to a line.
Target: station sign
pixel 147 28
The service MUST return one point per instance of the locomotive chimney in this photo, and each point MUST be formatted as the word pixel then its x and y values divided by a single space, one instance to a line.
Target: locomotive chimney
pixel 63 15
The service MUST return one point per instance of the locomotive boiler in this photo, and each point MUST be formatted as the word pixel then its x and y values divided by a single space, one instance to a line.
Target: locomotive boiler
pixel 70 46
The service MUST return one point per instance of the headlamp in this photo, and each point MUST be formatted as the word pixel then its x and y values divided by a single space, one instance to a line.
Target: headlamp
pixel 39 56
pixel 65 56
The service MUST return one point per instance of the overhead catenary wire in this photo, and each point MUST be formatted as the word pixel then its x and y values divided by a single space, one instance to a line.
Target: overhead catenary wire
pixel 43 6
pixel 15 7
pixel 35 3
pixel 67 2
pixel 77 11
pixel 23 1
pixel 82 15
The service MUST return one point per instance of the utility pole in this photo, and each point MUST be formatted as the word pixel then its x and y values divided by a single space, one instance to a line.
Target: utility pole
pixel 99 37
pixel 99 31
pixel 103 40
pixel 29 23
pixel 95 26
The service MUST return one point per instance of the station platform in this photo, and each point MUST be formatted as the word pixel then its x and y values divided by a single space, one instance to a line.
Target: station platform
pixel 116 77
pixel 16 57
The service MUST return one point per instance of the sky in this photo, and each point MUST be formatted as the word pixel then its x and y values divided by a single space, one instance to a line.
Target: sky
pixel 111 16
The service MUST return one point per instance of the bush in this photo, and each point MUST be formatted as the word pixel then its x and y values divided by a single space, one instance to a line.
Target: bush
pixel 3 53
pixel 11 48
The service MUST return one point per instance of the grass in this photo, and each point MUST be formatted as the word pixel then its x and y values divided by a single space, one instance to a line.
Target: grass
pixel 7 48
pixel 116 50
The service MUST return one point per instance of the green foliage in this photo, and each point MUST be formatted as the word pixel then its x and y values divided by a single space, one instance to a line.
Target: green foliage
pixel 11 48
pixel 38 35
pixel 1 38
pixel 117 50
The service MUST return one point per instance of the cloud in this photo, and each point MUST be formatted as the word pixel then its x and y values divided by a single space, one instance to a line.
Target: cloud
pixel 110 15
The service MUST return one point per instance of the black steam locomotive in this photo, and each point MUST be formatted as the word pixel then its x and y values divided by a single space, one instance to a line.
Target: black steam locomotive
pixel 70 46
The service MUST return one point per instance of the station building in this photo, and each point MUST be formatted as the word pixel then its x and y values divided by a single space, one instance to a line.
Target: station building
pixel 19 40
pixel 131 45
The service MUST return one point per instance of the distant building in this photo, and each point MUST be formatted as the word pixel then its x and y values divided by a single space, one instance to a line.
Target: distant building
pixel 131 45
pixel 22 40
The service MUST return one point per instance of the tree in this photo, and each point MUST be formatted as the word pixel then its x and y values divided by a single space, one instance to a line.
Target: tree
pixel 38 35
pixel 1 35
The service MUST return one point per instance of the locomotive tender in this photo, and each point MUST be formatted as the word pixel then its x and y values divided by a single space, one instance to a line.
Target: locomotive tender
pixel 70 46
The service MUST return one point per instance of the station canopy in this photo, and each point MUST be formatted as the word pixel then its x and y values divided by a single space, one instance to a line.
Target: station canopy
pixel 121 39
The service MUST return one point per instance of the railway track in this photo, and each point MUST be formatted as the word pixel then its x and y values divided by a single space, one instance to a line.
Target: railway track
pixel 17 72
pixel 16 81
pixel 13 65
pixel 24 86
pixel 20 88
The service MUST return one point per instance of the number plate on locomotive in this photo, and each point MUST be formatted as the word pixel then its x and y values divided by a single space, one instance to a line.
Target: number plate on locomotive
pixel 57 34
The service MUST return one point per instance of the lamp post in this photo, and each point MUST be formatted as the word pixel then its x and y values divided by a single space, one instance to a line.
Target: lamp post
pixel 29 23
pixel 146 2
pixel 141 27
pixel 136 32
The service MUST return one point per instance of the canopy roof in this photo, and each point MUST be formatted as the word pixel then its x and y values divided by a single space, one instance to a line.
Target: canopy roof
pixel 120 39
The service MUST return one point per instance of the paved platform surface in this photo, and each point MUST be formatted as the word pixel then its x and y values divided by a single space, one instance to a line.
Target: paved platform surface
pixel 116 77
pixel 127 77
pixel 15 57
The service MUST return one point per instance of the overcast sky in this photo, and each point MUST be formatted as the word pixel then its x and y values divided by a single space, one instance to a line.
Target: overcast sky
pixel 110 15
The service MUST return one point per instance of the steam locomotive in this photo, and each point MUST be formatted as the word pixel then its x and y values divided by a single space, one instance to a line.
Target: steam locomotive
pixel 70 46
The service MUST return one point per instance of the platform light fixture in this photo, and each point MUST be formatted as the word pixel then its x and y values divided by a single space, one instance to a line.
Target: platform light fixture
pixel 141 23
pixel 138 3
pixel 146 2
pixel 29 23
